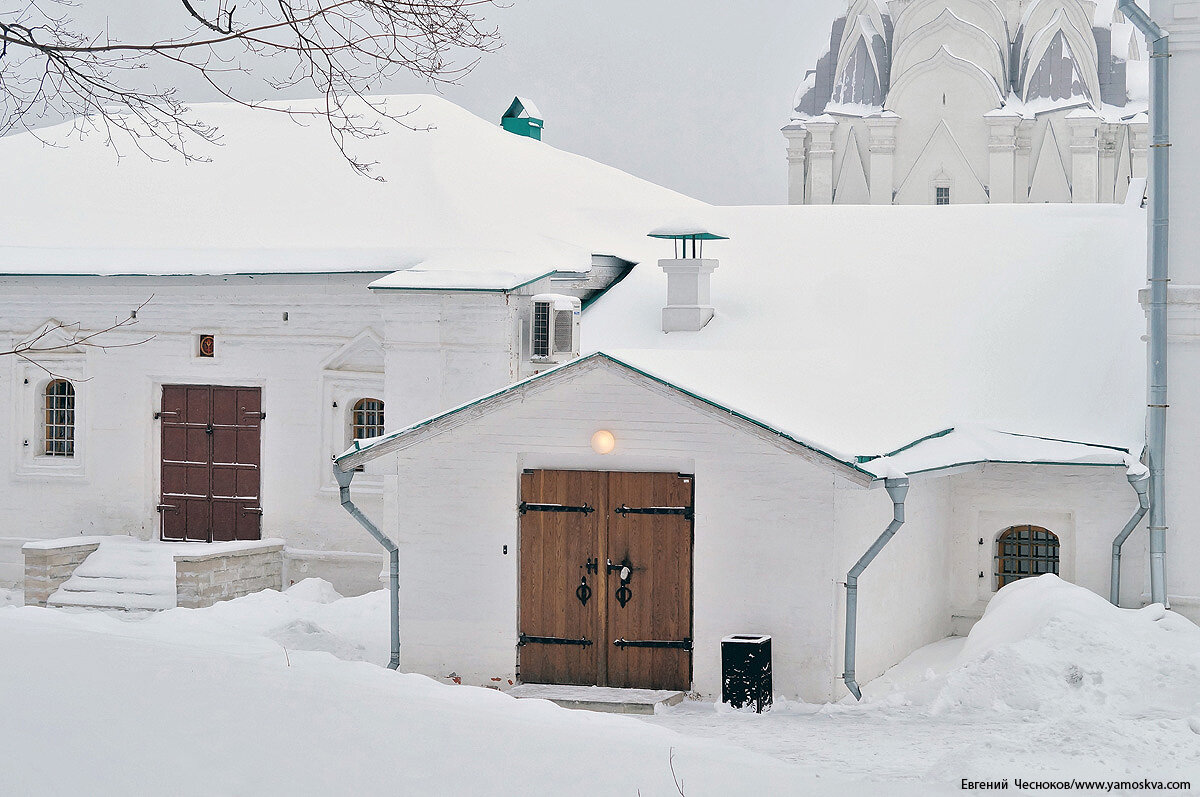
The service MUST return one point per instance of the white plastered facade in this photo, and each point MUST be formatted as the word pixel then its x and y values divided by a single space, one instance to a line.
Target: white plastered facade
pixel 418 351
pixel 776 529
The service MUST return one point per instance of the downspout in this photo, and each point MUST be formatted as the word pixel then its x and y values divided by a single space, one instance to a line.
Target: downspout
pixel 1141 483
pixel 343 480
pixel 897 489
pixel 1156 433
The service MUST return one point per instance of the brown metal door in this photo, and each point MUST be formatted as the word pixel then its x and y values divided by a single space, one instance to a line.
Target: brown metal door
pixel 585 621
pixel 650 611
pixel 210 463
pixel 562 520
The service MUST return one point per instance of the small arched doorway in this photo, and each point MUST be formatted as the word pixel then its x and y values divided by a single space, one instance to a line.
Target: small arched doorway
pixel 1023 552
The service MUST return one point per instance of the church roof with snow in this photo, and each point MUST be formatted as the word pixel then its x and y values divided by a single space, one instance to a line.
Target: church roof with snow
pixel 853 330
pixel 461 203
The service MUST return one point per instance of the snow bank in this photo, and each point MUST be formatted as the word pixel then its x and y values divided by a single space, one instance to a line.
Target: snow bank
pixel 103 705
pixel 310 615
pixel 1050 647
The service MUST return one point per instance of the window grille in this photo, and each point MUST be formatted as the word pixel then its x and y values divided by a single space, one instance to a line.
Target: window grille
pixel 367 418
pixel 1024 551
pixel 60 419
pixel 541 329
pixel 942 195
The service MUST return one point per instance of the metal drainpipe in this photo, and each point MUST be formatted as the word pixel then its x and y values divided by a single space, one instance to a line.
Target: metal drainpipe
pixel 343 480
pixel 1156 434
pixel 897 489
pixel 1141 483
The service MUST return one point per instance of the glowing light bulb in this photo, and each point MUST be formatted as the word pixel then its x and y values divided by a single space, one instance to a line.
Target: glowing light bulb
pixel 603 442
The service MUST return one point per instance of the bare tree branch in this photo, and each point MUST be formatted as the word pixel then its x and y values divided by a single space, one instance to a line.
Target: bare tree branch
pixel 339 49
pixel 44 341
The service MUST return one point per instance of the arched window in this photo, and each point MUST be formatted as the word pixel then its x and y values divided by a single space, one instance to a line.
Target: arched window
pixel 60 418
pixel 366 419
pixel 1024 551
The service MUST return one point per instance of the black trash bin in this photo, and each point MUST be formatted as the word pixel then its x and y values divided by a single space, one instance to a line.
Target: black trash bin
pixel 746 671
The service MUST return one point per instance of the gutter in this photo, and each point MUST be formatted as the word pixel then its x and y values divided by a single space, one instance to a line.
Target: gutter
pixel 1156 432
pixel 1141 483
pixel 897 489
pixel 343 479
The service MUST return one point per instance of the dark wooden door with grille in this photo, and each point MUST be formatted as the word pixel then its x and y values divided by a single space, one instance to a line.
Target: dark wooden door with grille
pixel 606 579
pixel 210 463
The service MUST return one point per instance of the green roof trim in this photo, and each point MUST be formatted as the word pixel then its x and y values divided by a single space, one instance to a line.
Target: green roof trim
pixel 161 274
pixel 699 236
pixel 509 289
pixel 357 447
pixel 1021 462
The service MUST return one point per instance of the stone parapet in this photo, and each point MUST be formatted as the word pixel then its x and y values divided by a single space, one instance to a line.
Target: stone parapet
pixel 49 564
pixel 207 577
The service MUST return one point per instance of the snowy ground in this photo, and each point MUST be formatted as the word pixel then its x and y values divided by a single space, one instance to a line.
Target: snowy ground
pixel 245 698
pixel 1053 683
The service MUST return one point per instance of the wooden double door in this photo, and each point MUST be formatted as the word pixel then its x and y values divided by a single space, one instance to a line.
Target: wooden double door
pixel 210 463
pixel 606 578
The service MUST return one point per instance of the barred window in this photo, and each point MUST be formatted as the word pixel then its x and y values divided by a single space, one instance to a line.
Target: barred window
pixel 1024 551
pixel 367 418
pixel 60 419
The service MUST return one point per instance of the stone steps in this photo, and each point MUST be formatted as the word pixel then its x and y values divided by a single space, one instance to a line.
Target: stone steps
pixel 123 574
pixel 600 698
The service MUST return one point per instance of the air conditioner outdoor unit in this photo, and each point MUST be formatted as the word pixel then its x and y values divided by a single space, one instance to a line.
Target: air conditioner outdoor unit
pixel 554 331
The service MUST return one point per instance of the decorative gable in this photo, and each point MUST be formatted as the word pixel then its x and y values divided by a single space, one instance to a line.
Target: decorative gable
pixel 363 354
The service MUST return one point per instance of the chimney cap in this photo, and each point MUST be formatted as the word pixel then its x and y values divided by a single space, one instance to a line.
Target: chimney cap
pixel 686 230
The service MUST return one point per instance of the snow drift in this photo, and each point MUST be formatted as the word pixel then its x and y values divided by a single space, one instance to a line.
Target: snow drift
pixel 1047 646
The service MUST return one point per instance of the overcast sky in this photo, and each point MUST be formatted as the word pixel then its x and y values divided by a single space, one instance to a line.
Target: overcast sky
pixel 687 93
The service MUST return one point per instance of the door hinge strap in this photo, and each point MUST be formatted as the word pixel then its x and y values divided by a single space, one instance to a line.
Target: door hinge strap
pixel 167 507
pixel 525 639
pixel 527 507
pixel 623 510
pixel 681 644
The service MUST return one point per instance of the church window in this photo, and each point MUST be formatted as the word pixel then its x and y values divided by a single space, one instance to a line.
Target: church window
pixel 59 408
pixel 1025 551
pixel 367 418
pixel 941 195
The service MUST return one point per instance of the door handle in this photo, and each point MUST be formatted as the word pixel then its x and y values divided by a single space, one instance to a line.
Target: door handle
pixel 625 568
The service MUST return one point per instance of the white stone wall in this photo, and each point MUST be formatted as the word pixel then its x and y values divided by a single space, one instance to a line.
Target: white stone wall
pixel 1085 507
pixel 334 346
pixel 1182 20
pixel 903 596
pixel 758 565
pixel 774 534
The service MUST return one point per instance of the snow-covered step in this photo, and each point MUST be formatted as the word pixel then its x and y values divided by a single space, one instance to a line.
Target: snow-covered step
pixel 123 573
pixel 600 698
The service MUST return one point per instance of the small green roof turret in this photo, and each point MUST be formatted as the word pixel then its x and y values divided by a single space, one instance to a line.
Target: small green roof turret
pixel 523 118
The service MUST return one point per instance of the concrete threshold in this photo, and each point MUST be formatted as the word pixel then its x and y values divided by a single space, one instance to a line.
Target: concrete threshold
pixel 600 698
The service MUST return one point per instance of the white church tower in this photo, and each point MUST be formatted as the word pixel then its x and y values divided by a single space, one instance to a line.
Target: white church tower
pixel 971 101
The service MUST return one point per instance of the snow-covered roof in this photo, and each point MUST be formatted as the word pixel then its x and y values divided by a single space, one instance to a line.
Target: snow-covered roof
pixel 863 328
pixel 277 197
pixel 476 270
pixel 973 445
pixel 856 330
